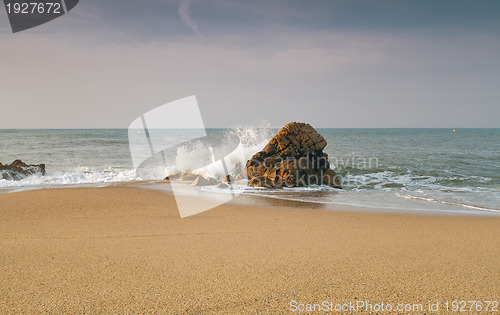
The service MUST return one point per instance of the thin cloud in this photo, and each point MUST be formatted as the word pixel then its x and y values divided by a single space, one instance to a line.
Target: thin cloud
pixel 185 15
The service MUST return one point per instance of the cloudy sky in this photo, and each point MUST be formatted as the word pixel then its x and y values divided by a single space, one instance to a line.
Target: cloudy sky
pixel 345 63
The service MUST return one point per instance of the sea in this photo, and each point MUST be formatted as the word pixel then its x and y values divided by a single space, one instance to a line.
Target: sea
pixel 419 170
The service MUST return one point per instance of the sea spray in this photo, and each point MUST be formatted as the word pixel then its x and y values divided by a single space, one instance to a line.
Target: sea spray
pixel 235 146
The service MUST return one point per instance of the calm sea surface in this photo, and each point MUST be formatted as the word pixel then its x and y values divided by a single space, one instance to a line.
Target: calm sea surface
pixel 415 169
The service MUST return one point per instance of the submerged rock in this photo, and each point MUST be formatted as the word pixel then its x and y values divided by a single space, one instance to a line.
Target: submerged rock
pixel 17 170
pixel 293 158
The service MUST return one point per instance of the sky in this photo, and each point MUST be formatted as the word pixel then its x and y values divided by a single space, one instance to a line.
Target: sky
pixel 331 63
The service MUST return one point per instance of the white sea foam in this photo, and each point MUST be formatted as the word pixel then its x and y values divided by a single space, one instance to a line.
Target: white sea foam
pixel 80 175
pixel 429 199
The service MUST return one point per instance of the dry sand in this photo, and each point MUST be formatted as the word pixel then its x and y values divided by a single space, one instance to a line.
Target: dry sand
pixel 125 250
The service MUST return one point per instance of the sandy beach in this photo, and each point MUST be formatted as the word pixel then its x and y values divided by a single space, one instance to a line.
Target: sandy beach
pixel 126 250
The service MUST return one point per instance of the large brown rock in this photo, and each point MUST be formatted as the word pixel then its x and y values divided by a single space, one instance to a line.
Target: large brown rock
pixel 293 158
pixel 18 170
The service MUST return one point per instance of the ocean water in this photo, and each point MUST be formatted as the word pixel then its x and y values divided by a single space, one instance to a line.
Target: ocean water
pixel 412 169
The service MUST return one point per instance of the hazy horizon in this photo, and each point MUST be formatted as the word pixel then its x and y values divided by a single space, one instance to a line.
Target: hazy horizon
pixel 268 127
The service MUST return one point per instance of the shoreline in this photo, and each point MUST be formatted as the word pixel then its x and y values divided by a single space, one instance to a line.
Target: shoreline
pixel 125 249
pixel 452 210
pixel 253 197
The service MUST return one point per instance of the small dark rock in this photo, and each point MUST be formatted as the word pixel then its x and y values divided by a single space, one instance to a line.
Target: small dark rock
pixel 17 170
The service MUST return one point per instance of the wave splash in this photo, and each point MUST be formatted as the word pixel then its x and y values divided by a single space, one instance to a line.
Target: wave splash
pixel 234 146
